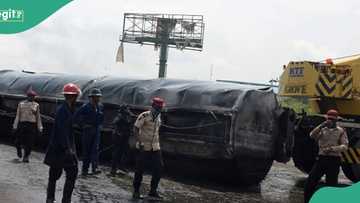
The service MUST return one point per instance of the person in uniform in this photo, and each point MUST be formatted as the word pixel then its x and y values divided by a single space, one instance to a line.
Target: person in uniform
pixel 120 136
pixel 90 118
pixel 27 125
pixel 61 152
pixel 146 132
pixel 332 140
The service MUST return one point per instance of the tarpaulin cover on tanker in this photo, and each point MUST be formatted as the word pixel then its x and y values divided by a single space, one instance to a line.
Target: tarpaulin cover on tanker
pixel 190 94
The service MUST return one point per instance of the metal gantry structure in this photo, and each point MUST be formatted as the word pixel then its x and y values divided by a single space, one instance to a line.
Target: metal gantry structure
pixel 164 31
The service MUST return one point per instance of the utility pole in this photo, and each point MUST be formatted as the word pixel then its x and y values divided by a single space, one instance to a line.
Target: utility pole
pixel 166 28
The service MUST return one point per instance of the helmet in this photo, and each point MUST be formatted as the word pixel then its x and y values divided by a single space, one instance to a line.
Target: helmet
pixel 332 114
pixel 71 88
pixel 31 93
pixel 157 101
pixel 95 92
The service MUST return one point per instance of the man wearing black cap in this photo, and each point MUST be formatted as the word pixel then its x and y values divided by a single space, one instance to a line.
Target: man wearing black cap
pixel 90 118
pixel 332 140
pixel 27 124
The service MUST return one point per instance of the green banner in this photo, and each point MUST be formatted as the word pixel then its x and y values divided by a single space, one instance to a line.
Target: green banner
pixel 20 15
pixel 348 194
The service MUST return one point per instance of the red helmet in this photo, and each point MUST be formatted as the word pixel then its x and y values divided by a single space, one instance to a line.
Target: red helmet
pixel 157 101
pixel 71 88
pixel 31 93
pixel 332 114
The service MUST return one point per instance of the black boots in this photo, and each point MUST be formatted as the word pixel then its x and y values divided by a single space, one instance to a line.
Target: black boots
pixel 26 159
pixel 50 201
pixel 137 195
pixel 19 152
pixel 155 196
pixel 151 196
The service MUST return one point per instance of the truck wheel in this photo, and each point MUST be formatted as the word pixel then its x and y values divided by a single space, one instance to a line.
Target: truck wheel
pixel 351 164
pixel 305 149
pixel 252 171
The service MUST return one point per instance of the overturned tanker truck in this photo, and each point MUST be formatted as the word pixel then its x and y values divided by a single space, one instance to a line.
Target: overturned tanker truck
pixel 216 128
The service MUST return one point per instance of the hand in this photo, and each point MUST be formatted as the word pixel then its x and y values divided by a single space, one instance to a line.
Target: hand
pixel 13 131
pixel 324 124
pixel 70 156
pixel 140 146
pixel 325 149
pixel 328 149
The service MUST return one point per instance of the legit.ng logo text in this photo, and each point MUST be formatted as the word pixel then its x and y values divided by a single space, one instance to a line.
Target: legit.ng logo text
pixel 11 15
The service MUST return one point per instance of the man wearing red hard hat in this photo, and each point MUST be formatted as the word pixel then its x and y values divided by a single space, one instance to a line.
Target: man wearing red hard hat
pixel 332 140
pixel 26 125
pixel 146 131
pixel 61 152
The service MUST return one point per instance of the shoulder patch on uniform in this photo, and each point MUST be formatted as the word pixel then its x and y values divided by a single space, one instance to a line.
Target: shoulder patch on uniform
pixel 340 128
pixel 144 114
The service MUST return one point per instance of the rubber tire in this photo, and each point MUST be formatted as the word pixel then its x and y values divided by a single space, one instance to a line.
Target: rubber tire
pixel 251 171
pixel 352 171
pixel 305 149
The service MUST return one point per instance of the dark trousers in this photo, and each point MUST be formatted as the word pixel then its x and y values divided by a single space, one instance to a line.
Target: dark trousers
pixel 25 137
pixel 325 165
pixel 90 151
pixel 153 161
pixel 121 147
pixel 54 175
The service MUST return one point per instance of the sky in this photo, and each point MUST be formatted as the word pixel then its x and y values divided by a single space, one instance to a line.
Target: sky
pixel 244 40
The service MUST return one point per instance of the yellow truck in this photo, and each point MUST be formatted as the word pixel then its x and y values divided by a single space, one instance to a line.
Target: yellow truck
pixel 329 84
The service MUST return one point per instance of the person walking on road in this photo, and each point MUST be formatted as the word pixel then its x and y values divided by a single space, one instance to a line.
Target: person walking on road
pixel 146 132
pixel 123 127
pixel 27 125
pixel 61 151
pixel 90 118
pixel 332 140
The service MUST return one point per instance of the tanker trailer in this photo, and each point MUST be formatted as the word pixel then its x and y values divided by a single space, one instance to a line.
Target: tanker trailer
pixel 232 132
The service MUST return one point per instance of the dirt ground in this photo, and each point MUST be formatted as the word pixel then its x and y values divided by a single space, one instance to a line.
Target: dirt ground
pixel 26 183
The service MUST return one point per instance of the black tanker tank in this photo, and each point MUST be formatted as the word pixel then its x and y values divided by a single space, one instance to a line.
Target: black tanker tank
pixel 214 128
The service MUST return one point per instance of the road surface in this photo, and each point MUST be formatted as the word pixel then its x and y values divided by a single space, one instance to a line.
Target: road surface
pixel 26 183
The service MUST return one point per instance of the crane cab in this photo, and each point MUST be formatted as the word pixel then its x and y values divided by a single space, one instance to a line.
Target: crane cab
pixel 329 84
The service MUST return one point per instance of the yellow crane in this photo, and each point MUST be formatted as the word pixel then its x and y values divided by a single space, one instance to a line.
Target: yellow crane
pixel 329 84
